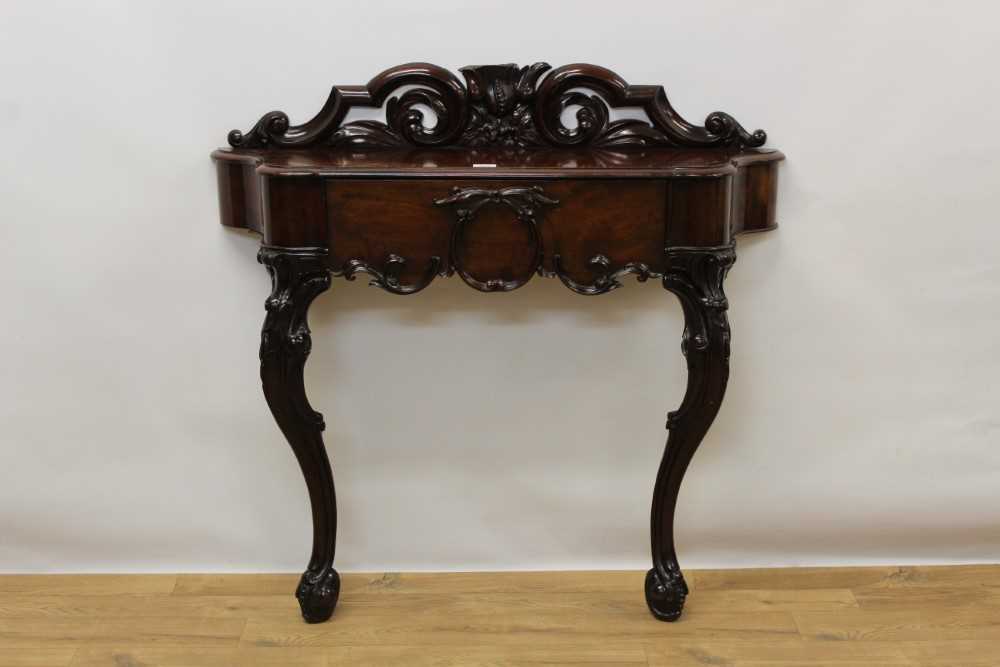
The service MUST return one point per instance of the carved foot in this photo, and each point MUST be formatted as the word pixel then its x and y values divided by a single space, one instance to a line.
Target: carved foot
pixel 665 598
pixel 318 595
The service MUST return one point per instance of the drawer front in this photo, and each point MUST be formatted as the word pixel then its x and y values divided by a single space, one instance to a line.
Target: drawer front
pixel 496 234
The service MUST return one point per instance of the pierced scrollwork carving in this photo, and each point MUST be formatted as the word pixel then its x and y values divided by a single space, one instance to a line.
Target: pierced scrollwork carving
pixel 500 106
pixel 665 128
pixel 388 278
pixel 607 279
pixel 524 201
pixel 435 87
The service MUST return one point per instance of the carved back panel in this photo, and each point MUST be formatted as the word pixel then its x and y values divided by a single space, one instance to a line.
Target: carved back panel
pixel 498 106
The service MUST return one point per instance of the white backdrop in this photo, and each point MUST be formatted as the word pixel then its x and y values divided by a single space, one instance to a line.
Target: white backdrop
pixel 472 431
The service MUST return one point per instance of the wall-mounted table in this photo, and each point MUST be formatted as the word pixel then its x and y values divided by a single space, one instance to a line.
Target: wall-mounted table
pixel 496 190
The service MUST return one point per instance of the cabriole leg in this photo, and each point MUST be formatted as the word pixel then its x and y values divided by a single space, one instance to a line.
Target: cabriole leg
pixel 695 276
pixel 297 277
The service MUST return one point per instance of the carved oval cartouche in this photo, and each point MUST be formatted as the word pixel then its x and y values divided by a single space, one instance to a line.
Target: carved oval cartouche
pixel 525 202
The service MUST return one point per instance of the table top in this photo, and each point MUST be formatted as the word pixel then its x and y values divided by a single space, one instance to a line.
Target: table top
pixel 464 162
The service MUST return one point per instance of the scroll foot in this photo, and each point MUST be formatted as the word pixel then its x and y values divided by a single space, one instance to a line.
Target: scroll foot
pixel 317 594
pixel 665 596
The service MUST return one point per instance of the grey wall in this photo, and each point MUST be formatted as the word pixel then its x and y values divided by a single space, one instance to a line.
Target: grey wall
pixel 522 431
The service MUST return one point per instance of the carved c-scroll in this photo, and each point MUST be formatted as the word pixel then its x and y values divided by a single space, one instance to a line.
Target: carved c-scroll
pixel 388 278
pixel 607 279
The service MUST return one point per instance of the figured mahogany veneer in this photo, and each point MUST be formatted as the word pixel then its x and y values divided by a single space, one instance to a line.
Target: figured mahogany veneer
pixel 496 191
pixel 378 203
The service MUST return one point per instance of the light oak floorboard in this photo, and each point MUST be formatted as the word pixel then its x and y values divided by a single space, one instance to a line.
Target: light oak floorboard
pixel 169 631
pixel 835 617
pixel 20 606
pixel 780 653
pixel 88 584
pixel 31 633
pixel 126 655
pixel 36 657
pixel 609 581
pixel 906 625
pixel 971 653
pixel 934 597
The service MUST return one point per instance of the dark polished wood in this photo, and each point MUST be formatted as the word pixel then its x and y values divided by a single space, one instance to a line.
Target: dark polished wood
pixel 643 203
pixel 497 190
pixel 695 275
pixel 298 277
pixel 499 106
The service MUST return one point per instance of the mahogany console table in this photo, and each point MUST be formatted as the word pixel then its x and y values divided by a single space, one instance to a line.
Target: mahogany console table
pixel 498 189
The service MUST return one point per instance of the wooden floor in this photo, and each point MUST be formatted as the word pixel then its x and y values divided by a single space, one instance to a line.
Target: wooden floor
pixel 743 618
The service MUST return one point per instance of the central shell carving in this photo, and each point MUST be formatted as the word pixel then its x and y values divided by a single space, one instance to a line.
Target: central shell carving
pixel 500 109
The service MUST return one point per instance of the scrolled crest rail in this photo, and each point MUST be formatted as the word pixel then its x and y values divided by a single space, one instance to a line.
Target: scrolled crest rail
pixel 503 106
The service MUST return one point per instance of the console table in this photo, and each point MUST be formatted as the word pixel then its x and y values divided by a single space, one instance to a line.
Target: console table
pixel 496 189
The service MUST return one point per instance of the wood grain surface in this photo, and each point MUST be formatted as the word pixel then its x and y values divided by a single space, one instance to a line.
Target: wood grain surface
pixel 843 617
